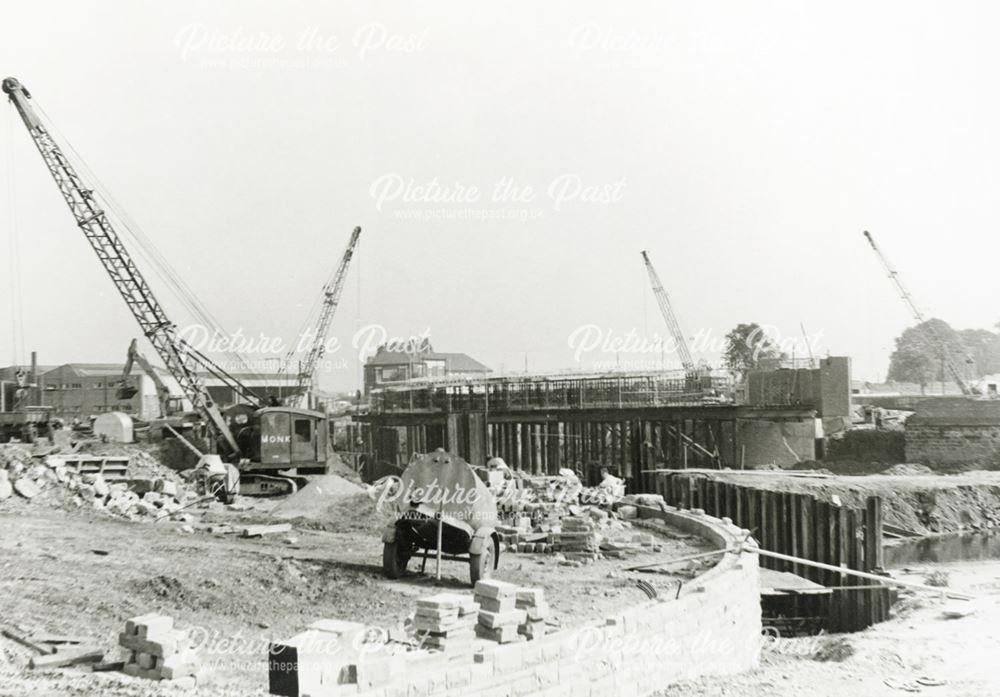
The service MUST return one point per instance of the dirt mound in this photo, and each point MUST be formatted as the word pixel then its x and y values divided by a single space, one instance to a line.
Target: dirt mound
pixel 314 499
pixel 167 591
pixel 350 513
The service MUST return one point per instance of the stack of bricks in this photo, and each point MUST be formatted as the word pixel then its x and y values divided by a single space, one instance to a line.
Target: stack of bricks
pixel 446 621
pixel 499 616
pixel 579 539
pixel 532 601
pixel 157 651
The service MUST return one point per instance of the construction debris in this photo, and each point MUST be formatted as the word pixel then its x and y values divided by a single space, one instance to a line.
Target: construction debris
pixel 548 518
pixel 67 657
pixel 261 530
pixel 99 481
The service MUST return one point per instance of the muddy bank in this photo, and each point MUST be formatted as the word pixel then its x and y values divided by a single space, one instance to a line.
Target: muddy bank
pixel 925 503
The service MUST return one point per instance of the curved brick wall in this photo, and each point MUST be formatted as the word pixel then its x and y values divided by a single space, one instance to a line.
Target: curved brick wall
pixel 713 627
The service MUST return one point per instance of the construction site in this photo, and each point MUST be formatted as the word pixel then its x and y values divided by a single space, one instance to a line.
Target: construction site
pixel 237 517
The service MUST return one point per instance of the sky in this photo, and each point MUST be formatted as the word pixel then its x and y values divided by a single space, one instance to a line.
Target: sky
pixel 507 164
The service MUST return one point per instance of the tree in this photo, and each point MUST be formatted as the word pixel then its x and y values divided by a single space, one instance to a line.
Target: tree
pixel 747 347
pixel 983 348
pixel 921 351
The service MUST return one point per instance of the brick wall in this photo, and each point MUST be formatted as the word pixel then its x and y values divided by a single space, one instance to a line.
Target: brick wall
pixel 954 446
pixel 712 628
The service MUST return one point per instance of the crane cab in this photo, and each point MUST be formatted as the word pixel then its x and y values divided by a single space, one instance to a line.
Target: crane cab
pixel 281 438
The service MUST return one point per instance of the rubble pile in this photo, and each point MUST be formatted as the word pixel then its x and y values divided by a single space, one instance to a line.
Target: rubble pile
pixel 53 479
pixel 548 517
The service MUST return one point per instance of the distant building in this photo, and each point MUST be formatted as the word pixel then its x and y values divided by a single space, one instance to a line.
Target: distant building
pixel 386 368
pixel 88 389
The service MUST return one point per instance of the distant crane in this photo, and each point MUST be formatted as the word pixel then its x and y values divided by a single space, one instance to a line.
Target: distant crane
pixel 331 298
pixel 919 316
pixel 668 315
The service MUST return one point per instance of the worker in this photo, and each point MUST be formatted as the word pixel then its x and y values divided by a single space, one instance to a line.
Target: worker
pixel 611 487
pixel 497 472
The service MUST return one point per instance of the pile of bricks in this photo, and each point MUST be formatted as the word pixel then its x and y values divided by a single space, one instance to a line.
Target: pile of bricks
pixel 157 651
pixel 499 617
pixel 532 601
pixel 446 621
pixel 579 538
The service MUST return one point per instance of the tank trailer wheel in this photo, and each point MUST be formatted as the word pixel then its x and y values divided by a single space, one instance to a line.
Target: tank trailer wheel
pixel 481 565
pixel 395 557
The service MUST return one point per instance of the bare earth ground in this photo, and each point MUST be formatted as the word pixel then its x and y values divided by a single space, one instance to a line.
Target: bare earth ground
pixel 963 654
pixel 82 573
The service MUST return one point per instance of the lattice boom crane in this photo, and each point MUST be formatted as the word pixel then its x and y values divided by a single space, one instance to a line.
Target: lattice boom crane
pixel 919 316
pixel 118 264
pixel 331 298
pixel 663 300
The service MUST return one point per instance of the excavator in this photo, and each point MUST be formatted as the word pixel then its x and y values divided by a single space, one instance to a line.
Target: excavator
pixel 176 411
pixel 262 449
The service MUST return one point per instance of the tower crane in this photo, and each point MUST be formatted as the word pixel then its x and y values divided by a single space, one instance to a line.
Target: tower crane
pixel 260 441
pixel 331 298
pixel 663 300
pixel 919 316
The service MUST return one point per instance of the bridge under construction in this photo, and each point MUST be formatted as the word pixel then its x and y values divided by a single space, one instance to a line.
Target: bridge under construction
pixel 631 422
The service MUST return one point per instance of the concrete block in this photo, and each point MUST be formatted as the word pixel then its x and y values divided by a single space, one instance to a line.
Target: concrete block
pixel 524 685
pixel 495 589
pixel 497 604
pixel 528 597
pixel 493 620
pixel 458 677
pixel 531 654
pixel 508 659
pixel 146 661
pixel 547 674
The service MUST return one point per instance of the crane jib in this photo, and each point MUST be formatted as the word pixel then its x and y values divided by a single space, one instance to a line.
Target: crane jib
pixel 118 264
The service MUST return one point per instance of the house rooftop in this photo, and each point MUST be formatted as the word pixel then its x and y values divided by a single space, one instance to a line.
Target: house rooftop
pixel 454 362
